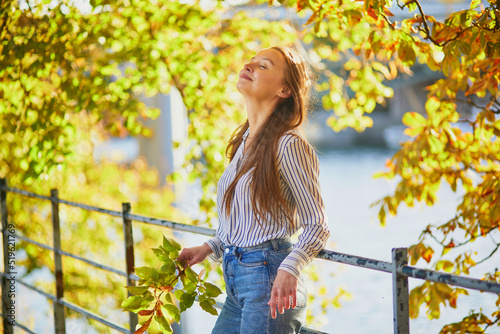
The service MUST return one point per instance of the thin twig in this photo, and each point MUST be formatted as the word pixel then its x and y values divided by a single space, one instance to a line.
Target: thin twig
pixel 388 21
pixel 491 324
pixel 489 256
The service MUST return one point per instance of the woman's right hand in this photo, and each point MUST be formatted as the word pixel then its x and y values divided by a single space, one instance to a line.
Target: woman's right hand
pixel 194 255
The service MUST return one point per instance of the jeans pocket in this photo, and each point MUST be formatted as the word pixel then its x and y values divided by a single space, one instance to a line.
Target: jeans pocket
pixel 256 258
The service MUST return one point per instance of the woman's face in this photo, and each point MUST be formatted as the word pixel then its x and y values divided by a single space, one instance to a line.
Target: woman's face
pixel 263 76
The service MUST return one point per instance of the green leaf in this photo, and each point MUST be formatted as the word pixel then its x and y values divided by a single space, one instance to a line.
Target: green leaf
pixel 190 287
pixel 168 266
pixel 206 305
pixel 212 290
pixel 137 290
pixel 193 277
pixel 464 47
pixel 187 301
pixel 132 303
pixel 173 311
pixel 168 298
pixel 146 273
pixel 163 324
pixel 178 294
pixel 160 254
pixel 171 245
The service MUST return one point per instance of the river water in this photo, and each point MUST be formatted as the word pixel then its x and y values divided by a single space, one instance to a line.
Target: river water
pixel 348 190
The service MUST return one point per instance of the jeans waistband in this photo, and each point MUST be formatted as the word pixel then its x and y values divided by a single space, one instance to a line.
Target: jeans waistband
pixel 274 243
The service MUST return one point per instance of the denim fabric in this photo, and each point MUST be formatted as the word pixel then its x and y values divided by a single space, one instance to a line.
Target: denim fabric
pixel 249 273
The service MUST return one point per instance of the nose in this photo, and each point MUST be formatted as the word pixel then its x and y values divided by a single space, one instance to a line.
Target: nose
pixel 248 67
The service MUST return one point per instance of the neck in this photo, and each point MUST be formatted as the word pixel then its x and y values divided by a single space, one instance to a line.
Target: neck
pixel 258 112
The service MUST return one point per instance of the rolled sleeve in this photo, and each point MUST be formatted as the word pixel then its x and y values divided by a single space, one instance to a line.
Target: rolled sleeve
pixel 299 167
pixel 217 248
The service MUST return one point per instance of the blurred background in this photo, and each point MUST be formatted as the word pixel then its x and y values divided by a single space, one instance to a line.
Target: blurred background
pixel 150 106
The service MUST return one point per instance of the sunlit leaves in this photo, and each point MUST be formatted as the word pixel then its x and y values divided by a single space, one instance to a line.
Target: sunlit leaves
pixel 155 298
pixel 420 250
pixel 473 323
pixel 433 295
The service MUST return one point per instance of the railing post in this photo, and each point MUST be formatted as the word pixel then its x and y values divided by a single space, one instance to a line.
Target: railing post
pixel 8 301
pixel 129 257
pixel 400 294
pixel 59 317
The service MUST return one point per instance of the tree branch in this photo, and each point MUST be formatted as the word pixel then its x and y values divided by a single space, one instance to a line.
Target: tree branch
pixel 491 324
pixel 489 256
pixel 424 20
pixel 388 21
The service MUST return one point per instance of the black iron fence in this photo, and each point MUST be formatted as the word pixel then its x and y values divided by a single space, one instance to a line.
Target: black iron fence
pixel 398 268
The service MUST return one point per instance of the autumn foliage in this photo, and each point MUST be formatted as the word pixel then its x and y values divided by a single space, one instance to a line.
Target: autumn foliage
pixel 70 78
pixel 446 146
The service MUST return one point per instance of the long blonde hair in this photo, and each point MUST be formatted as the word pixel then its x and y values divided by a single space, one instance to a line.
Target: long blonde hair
pixel 289 114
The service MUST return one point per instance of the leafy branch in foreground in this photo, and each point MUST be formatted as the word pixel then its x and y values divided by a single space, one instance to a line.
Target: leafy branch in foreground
pixel 155 297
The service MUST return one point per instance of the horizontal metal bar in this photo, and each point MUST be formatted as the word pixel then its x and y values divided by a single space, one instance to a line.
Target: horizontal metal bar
pixel 305 330
pixel 436 276
pixel 26 329
pixel 354 260
pixel 25 193
pixel 176 226
pixel 154 221
pixel 91 208
pixel 47 295
pixel 95 264
pixel 78 205
pixel 94 316
pixel 32 241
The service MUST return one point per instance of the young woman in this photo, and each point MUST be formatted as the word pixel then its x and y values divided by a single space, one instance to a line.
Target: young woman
pixel 268 192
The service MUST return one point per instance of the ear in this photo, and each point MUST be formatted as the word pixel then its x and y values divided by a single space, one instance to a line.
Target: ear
pixel 285 93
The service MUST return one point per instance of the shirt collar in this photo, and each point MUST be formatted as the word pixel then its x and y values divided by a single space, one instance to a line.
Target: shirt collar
pixel 247 132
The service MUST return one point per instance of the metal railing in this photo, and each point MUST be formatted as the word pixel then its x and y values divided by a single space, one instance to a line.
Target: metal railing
pixel 398 268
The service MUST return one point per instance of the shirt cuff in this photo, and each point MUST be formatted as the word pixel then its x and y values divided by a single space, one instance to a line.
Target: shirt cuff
pixel 217 249
pixel 295 262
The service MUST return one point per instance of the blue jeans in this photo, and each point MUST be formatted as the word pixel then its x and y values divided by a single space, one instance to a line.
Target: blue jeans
pixel 249 273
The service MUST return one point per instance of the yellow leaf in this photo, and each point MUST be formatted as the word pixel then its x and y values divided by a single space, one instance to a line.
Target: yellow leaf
pixel 432 105
pixel 474 3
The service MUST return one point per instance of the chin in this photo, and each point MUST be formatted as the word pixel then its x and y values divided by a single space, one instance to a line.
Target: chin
pixel 239 86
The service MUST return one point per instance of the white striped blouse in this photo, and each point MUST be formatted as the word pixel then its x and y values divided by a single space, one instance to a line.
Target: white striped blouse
pixel 298 168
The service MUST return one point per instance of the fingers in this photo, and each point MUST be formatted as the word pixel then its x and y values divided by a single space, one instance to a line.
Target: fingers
pixel 194 260
pixel 283 293
pixel 272 303
pixel 286 300
pixel 184 255
pixel 187 257
pixel 281 299
pixel 194 255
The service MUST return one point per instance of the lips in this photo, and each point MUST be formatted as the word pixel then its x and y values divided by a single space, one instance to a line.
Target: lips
pixel 245 76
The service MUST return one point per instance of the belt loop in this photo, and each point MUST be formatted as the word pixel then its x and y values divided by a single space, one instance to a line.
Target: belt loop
pixel 275 244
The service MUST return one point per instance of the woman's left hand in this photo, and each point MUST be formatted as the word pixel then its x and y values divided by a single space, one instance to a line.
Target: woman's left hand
pixel 284 293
